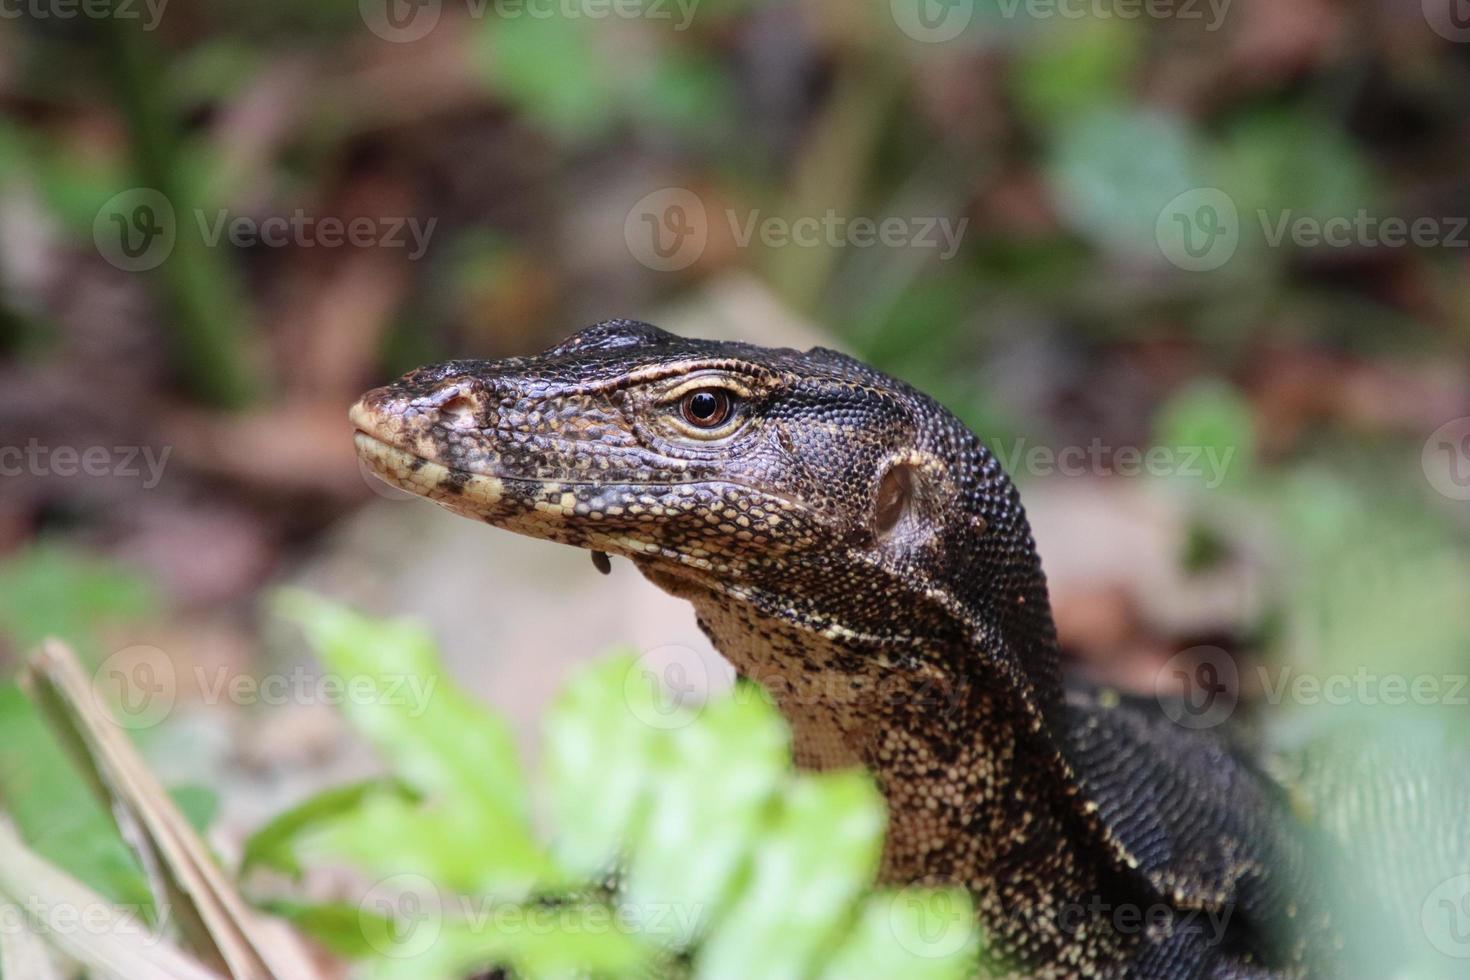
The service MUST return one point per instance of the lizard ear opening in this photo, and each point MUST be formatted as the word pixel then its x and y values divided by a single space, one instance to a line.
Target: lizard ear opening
pixel 896 492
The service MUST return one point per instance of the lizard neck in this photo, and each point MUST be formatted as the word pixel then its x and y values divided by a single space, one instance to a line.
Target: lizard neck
pixel 977 795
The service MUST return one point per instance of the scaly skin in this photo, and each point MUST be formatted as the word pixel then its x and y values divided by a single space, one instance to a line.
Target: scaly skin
pixel 848 543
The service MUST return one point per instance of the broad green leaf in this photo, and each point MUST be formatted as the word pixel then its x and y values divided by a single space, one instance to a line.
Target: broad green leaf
pixel 56 811
pixel 601 736
pixel 341 927
pixel 755 870
pixel 1114 170
pixel 568 941
pixel 273 846
pixel 818 853
pixel 712 788
pixel 447 844
pixel 913 933
pixel 456 754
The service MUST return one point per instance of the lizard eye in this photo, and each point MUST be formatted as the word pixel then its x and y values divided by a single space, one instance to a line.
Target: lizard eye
pixel 707 408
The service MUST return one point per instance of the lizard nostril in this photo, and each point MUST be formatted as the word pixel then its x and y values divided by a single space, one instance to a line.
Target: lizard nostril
pixel 460 408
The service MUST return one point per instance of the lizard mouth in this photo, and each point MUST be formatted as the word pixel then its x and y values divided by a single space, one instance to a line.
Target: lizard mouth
pixel 458 489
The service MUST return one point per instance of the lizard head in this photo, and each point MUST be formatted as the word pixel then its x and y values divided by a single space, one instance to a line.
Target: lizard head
pixel 805 484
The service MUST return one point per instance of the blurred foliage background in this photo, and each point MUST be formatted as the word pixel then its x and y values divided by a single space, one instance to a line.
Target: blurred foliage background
pixel 1129 191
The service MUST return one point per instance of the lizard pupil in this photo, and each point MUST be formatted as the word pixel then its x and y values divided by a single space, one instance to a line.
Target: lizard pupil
pixel 706 408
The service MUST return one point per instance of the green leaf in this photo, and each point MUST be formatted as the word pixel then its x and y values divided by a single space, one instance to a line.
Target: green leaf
pixel 914 933
pixel 569 941
pixel 341 927
pixel 1076 67
pixel 818 853
pixel 713 788
pixel 273 846
pixel 1113 171
pixel 1291 161
pixel 55 810
pixel 49 590
pixel 550 69
pixel 474 826
pixel 1211 423
pixel 599 744
pixel 197 804
pixel 684 92
pixel 754 870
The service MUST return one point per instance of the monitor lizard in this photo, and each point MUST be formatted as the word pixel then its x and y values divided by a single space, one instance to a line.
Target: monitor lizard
pixel 848 543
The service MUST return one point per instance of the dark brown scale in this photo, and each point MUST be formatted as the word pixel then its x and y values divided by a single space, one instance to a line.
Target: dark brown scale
pixel 847 542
